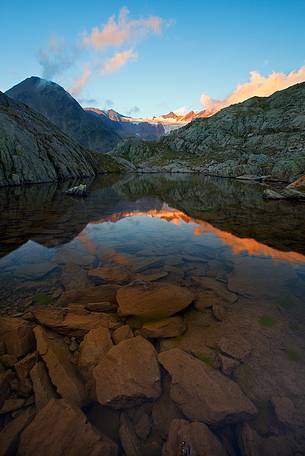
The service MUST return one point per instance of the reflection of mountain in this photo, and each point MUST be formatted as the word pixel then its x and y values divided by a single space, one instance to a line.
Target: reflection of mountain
pixel 232 210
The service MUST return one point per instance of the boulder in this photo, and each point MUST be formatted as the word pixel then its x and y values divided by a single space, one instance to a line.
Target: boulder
pixel 89 294
pixel 80 190
pixel 9 436
pixel 93 348
pixel 272 194
pixel 72 323
pixel 42 386
pixel 298 185
pixel 103 306
pixel 193 439
pixel 235 346
pixel 57 358
pixel 128 375
pixel 17 336
pixel 62 429
pixel 122 333
pixel 169 327
pixel 152 300
pixel 202 393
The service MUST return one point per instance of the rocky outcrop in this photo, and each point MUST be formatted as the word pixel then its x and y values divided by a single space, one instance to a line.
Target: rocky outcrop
pixel 32 149
pixel 128 374
pixel 261 136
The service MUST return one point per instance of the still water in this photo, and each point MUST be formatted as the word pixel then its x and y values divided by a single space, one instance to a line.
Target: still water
pixel 183 230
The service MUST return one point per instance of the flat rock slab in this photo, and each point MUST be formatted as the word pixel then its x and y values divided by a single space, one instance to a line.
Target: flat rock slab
pixel 216 292
pixel 151 300
pixel 16 335
pixel 72 323
pixel 169 327
pixel 42 386
pixel 110 274
pixel 61 429
pixel 128 375
pixel 93 348
pixel 236 346
pixel 89 295
pixel 193 439
pixel 63 373
pixel 202 393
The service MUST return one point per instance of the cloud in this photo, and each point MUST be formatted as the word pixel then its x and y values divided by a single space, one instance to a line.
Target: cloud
pixel 117 61
pixel 121 31
pixel 109 103
pixel 54 58
pixel 80 83
pixel 257 85
pixel 133 111
pixel 180 111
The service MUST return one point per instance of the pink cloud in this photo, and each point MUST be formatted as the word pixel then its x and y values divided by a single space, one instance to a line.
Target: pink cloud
pixel 80 83
pixel 257 85
pixel 117 32
pixel 117 61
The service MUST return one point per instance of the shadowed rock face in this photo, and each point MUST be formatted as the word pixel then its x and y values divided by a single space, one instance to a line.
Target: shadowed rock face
pixel 261 136
pixel 59 107
pixel 33 150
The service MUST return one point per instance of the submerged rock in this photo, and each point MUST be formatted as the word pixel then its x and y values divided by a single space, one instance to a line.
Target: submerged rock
pixel 79 190
pixel 152 300
pixel 169 327
pixel 128 374
pixel 193 439
pixel 62 429
pixel 202 393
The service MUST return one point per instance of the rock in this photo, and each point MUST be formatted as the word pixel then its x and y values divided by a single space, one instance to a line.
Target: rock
pixel 68 322
pixel 143 426
pixel 8 360
pixel 61 429
pixel 122 333
pixel 110 274
pixel 93 349
pixel 169 327
pixel 10 405
pixel 227 364
pixel 285 411
pixel 219 312
pixel 249 441
pixel 17 336
pixel 287 193
pixel 63 374
pixel 129 440
pixel 89 295
pixel 151 300
pixel 9 436
pixel 193 439
pixel 80 190
pixel 235 346
pixel 35 271
pixel 145 263
pixel 103 306
pixel 6 378
pixel 152 275
pixel 202 393
pixel 23 368
pixel 42 386
pixel 215 292
pixel 128 374
pixel 298 185
pixel 73 277
pixel 272 194
pixel 35 150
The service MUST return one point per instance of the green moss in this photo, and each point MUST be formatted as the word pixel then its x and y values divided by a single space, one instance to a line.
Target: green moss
pixel 42 299
pixel 205 359
pixel 293 354
pixel 266 320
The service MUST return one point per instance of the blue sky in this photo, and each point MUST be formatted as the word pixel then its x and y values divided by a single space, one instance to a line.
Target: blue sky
pixel 197 47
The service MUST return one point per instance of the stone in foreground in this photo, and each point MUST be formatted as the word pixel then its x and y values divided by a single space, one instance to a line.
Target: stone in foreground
pixel 61 429
pixel 9 436
pixel 62 372
pixel 152 300
pixel 169 327
pixel 16 335
pixel 193 439
pixel 128 375
pixel 202 393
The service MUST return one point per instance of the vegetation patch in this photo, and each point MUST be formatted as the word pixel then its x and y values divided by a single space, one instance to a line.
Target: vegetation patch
pixel 266 320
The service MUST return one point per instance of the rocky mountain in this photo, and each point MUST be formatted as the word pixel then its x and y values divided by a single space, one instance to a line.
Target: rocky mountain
pixel 261 136
pixel 127 126
pixel 32 149
pixel 51 100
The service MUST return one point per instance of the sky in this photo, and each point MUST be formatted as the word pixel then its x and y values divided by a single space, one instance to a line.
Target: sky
pixel 145 58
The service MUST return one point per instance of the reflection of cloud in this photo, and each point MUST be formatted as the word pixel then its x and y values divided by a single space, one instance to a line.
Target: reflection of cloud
pixel 258 85
pixel 237 245
pixel 117 61
pixel 121 31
